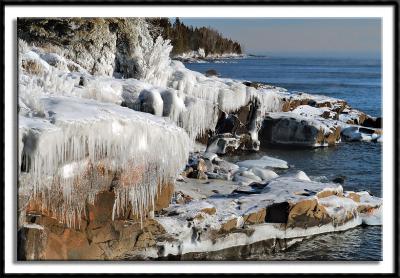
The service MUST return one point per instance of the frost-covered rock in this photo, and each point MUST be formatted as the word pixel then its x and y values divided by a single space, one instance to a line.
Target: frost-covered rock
pixel 293 129
pixel 287 209
pixel 357 133
pixel 264 162
pixel 61 149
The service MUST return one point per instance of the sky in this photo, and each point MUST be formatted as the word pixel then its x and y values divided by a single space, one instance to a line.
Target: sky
pixel 306 36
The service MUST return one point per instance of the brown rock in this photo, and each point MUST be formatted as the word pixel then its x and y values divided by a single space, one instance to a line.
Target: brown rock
pixel 202 166
pixel 327 193
pixel 103 234
pixel 378 131
pixel 144 240
pixel 354 196
pixel 187 172
pixel 229 225
pixel 101 212
pixel 31 243
pixel 153 227
pixel 255 217
pixel 164 196
pixel 209 211
pixel 307 213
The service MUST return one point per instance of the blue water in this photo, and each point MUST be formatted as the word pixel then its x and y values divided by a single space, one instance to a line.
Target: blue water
pixel 358 81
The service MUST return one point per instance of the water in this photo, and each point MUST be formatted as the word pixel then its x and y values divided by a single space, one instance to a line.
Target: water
pixel 358 81
pixel 351 245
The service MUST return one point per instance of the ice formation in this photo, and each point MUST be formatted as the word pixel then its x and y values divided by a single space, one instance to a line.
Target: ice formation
pixel 73 129
pixel 198 236
pixel 80 146
pixel 76 140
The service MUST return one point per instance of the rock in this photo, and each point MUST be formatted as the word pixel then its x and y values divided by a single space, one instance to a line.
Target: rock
pixel 264 162
pixel 296 130
pixel 95 237
pixel 201 166
pixel 229 225
pixel 102 46
pixel 223 144
pixel 373 122
pixel 242 180
pixel 327 193
pixel 354 196
pixel 301 176
pixel 187 172
pixel 219 176
pixel 225 166
pixel 144 240
pixel 100 213
pixel 357 133
pixel 103 234
pixel 209 211
pixel 277 213
pixel 209 156
pixel 264 174
pixel 307 213
pixel 32 240
pixel 197 175
pixel 257 217
pixel 249 175
pixel 339 179
pixel 182 198
pixel 228 124
pixel 211 72
pixel 164 196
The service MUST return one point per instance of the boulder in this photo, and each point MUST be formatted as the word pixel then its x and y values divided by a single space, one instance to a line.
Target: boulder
pixel 96 236
pixel 296 130
pixel 257 217
pixel 211 72
pixel 307 213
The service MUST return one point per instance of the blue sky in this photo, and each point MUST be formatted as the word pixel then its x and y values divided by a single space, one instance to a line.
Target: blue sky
pixel 307 36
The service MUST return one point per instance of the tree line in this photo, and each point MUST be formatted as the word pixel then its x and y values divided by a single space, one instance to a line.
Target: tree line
pixel 186 38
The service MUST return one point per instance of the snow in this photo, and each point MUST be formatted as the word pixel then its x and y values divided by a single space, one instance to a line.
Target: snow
pixel 264 174
pixel 355 133
pixel 236 207
pixel 264 162
pixel 73 130
pixel 80 132
pixel 309 111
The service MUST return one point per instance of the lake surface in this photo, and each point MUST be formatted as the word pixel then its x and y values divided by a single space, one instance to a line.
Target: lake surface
pixel 358 81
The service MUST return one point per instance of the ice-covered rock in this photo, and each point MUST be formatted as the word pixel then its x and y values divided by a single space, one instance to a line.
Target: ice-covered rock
pixel 102 138
pixel 264 162
pixel 357 133
pixel 287 208
pixel 264 174
pixel 290 128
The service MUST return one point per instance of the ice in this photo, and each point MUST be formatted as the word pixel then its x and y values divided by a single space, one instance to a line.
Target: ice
pixel 342 210
pixel 264 162
pixel 357 133
pixel 264 174
pixel 162 87
pixel 339 208
pixel 75 134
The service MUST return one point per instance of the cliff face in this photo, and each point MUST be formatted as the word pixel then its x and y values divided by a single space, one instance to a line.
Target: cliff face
pixel 101 46
pixel 75 140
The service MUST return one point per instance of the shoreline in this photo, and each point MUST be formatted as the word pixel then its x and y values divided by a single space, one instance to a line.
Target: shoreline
pixel 100 157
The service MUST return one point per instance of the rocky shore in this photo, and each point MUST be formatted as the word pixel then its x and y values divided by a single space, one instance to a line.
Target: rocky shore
pixel 121 152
